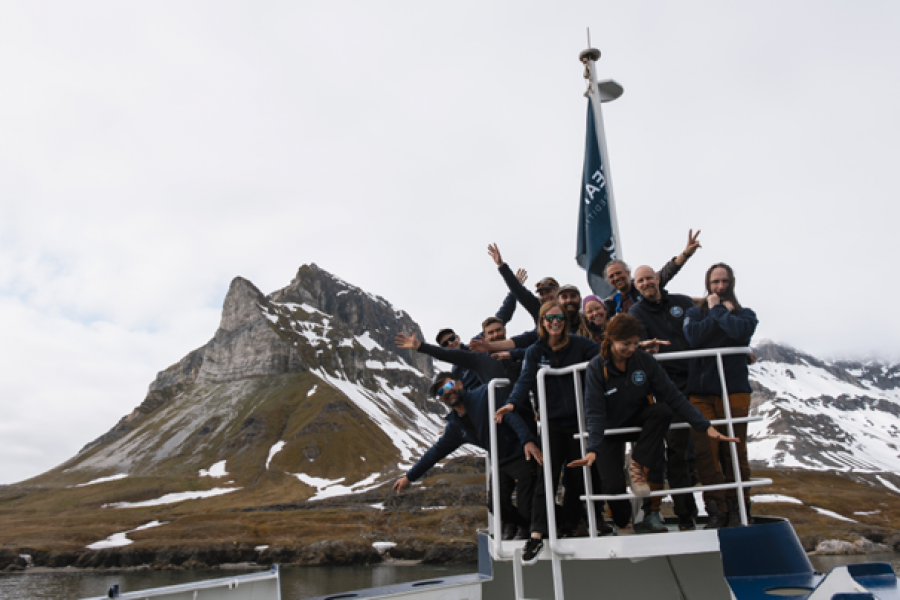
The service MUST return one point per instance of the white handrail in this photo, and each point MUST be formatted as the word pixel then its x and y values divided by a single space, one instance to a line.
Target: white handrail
pixel 495 467
pixel 590 497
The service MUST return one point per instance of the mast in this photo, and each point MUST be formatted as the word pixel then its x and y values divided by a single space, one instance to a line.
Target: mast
pixel 599 92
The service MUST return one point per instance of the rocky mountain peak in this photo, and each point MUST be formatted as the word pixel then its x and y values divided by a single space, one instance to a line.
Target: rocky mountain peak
pixel 319 325
pixel 241 305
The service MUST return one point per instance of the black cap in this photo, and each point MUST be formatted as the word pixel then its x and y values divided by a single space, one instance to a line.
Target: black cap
pixel 438 382
pixel 547 283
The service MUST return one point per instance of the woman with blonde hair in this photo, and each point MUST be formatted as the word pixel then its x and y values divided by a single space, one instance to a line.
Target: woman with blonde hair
pixel 557 349
pixel 594 318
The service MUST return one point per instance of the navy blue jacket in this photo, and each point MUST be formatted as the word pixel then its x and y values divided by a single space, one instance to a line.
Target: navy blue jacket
pixel 470 379
pixel 529 301
pixel 479 364
pixel 619 302
pixel 524 340
pixel 612 401
pixel 560 389
pixel 707 328
pixel 512 434
pixel 664 320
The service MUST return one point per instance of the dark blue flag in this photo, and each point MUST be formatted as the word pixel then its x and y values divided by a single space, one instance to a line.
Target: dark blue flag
pixel 596 245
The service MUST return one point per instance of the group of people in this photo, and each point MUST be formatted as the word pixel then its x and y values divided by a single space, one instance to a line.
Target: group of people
pixel 624 387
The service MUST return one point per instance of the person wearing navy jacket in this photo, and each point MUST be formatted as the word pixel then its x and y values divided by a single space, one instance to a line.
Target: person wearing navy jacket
pixel 619 276
pixel 556 348
pixel 520 475
pixel 468 422
pixel 662 314
pixel 720 321
pixel 626 387
pixel 447 338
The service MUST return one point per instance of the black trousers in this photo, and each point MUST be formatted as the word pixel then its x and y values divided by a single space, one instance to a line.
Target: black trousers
pixel 648 450
pixel 676 468
pixel 564 448
pixel 520 476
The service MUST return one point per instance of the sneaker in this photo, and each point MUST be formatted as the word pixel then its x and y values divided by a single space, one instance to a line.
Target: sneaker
pixel 604 528
pixel 686 524
pixel 532 550
pixel 639 485
pixel 509 531
pixel 652 523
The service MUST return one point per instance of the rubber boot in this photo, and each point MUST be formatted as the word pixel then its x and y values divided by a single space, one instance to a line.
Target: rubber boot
pixel 717 519
pixel 652 523
pixel 734 515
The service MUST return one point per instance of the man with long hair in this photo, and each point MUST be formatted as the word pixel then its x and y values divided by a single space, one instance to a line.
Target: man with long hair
pixel 719 321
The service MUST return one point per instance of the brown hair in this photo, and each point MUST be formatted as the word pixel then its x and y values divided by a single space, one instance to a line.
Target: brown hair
pixel 542 330
pixel 491 321
pixel 620 328
pixel 729 295
pixel 584 330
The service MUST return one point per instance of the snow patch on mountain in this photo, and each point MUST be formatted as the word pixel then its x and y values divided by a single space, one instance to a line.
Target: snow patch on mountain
pixel 385 407
pixel 173 498
pixel 329 488
pixel 821 416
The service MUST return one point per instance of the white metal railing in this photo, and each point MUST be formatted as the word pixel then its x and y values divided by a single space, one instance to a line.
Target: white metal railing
pixel 590 497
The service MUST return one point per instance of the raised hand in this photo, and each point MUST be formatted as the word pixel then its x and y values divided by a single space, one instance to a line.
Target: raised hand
pixel 693 242
pixel 407 341
pixel 494 251
pixel 522 275
pixel 712 300
pixel 587 461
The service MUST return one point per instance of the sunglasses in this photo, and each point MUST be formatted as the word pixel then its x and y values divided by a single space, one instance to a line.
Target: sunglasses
pixel 445 388
pixel 448 341
pixel 548 282
pixel 557 318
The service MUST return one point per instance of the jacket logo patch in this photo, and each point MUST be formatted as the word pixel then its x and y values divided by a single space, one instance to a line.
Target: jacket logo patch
pixel 638 377
pixel 676 311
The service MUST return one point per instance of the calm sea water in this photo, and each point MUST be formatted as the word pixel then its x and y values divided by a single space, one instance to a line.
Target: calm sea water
pixel 296 582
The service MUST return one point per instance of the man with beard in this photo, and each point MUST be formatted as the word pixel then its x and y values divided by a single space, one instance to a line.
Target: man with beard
pixel 661 315
pixel 619 275
pixel 719 321
pixel 468 422
pixel 570 299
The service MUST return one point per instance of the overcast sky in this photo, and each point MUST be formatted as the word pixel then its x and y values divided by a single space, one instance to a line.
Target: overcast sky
pixel 152 151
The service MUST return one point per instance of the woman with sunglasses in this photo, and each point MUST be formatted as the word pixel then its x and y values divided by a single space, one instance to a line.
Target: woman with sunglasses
pixel 627 387
pixel 557 349
pixel 593 318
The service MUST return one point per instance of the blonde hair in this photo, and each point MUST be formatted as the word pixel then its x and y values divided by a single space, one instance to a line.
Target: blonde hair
pixel 542 329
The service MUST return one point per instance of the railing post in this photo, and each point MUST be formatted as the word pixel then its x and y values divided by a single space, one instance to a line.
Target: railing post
pixel 582 440
pixel 495 468
pixel 549 485
pixel 735 466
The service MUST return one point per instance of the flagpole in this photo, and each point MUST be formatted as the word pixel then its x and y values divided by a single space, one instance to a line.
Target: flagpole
pixel 599 92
